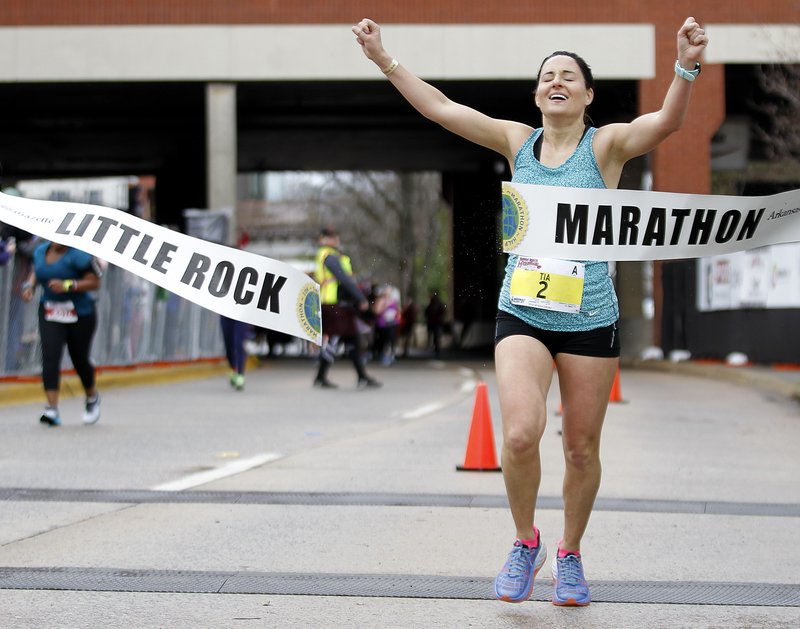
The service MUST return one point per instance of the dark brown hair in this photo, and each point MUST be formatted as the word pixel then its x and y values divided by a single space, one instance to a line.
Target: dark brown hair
pixel 586 71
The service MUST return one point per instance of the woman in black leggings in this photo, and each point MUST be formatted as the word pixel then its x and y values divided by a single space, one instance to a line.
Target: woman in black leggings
pixel 67 317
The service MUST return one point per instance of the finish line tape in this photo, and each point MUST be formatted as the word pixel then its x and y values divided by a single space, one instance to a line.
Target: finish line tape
pixel 234 283
pixel 601 224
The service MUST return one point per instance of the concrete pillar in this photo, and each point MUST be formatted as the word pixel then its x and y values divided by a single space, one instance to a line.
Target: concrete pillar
pixel 635 328
pixel 221 150
pixel 477 267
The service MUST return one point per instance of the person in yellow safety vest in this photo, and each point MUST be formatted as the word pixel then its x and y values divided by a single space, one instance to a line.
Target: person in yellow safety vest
pixel 339 296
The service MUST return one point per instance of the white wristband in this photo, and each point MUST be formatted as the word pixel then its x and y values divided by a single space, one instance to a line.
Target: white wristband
pixel 689 75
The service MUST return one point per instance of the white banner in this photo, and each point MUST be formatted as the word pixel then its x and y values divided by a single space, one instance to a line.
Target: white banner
pixel 600 224
pixel 234 283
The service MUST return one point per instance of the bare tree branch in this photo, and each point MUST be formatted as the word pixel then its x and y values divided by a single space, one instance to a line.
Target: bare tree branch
pixel 781 85
pixel 391 224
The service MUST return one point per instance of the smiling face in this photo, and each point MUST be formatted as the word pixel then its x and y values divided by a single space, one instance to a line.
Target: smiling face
pixel 562 89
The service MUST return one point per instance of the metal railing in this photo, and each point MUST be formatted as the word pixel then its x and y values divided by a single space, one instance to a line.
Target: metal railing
pixel 137 322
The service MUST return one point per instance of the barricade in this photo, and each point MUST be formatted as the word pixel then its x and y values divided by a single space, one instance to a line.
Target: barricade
pixel 137 322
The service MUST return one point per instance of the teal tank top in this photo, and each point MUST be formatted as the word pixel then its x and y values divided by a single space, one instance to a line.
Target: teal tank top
pixel 599 307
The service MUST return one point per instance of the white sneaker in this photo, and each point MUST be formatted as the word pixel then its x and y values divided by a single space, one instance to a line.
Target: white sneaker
pixel 92 412
pixel 50 416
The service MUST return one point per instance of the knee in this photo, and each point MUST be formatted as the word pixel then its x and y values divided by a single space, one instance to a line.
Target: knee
pixel 582 454
pixel 522 440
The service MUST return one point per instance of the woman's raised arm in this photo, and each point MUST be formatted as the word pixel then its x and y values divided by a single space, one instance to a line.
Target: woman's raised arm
pixel 643 134
pixel 503 136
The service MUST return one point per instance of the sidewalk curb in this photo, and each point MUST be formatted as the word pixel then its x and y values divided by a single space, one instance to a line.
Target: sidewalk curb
pixel 759 377
pixel 13 393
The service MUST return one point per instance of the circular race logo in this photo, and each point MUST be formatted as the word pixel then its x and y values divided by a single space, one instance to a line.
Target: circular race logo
pixel 515 218
pixel 308 311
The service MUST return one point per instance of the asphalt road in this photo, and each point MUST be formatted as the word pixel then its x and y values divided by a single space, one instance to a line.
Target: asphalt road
pixel 192 505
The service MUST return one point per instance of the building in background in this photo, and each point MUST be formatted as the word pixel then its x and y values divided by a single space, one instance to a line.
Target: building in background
pixel 194 93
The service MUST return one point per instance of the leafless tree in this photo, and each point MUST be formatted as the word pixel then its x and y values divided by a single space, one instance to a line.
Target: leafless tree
pixel 395 226
pixel 781 85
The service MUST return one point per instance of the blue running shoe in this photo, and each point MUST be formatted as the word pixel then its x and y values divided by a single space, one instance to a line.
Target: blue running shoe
pixel 514 584
pixel 571 588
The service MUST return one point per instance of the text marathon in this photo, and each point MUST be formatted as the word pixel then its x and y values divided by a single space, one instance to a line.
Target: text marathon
pixel 657 227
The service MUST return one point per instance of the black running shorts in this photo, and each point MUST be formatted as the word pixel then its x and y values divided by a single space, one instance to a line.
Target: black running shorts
pixel 601 342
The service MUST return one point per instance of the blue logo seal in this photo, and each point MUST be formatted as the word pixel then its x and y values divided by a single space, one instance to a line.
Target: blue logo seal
pixel 308 311
pixel 515 217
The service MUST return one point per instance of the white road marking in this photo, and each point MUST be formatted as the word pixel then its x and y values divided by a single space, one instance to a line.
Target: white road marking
pixel 468 386
pixel 425 409
pixel 229 469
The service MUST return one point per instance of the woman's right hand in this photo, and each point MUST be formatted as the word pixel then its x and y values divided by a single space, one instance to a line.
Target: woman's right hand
pixel 368 36
pixel 499 135
pixel 27 294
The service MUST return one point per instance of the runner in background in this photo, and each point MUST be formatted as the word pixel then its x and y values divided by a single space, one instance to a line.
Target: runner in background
pixel 584 344
pixel 67 317
pixel 234 334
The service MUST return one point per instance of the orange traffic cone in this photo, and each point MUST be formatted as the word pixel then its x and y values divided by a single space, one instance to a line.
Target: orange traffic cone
pixel 616 390
pixel 480 455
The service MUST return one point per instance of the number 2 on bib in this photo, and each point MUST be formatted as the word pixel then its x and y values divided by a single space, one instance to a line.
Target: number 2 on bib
pixel 548 284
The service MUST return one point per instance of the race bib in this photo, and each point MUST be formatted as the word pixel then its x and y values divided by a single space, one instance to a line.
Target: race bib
pixel 548 284
pixel 60 312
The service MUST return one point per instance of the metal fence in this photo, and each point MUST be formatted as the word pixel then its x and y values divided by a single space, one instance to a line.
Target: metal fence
pixel 137 322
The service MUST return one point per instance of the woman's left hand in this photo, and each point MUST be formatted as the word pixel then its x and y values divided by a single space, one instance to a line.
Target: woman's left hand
pixel 692 40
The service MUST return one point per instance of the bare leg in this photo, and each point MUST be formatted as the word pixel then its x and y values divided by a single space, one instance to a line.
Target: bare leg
pixel 585 383
pixel 524 373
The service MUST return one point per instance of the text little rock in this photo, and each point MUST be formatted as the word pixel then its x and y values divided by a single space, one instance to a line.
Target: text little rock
pixel 219 278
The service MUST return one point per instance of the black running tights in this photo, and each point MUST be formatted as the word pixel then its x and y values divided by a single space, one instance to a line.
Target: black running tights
pixel 78 339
